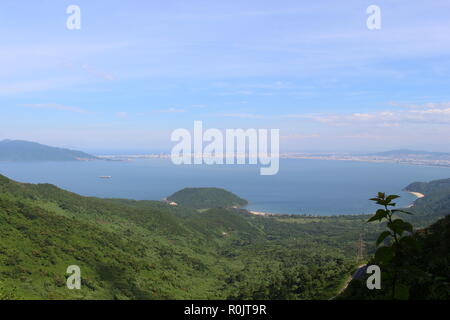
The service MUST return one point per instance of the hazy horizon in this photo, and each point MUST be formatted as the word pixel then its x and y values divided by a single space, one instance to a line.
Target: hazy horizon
pixel 138 151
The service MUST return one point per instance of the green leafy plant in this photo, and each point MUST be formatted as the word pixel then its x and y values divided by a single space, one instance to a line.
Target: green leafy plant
pixel 395 240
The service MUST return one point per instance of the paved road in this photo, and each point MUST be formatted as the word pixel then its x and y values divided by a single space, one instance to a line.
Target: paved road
pixel 358 274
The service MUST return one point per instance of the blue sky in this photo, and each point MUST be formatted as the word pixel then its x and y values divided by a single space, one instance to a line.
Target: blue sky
pixel 137 70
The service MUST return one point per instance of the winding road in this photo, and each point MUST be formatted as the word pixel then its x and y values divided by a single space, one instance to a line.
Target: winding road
pixel 358 274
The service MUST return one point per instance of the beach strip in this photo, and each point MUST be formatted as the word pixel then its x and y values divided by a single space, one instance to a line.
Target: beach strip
pixel 417 194
pixel 265 214
pixel 259 213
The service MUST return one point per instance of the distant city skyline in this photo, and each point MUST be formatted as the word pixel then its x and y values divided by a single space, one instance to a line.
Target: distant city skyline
pixel 136 71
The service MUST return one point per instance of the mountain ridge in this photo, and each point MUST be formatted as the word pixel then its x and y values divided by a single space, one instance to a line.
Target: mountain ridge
pixel 24 151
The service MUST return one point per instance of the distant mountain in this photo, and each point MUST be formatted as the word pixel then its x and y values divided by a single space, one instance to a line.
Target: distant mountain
pixel 429 187
pixel 206 198
pixel 19 150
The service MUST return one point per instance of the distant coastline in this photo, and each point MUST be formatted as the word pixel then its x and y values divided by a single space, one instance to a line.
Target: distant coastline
pixel 418 195
pixel 408 159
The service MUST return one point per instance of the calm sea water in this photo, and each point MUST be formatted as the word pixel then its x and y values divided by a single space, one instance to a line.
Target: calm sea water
pixel 316 187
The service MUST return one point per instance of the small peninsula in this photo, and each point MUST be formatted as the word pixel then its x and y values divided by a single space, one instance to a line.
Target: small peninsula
pixel 206 198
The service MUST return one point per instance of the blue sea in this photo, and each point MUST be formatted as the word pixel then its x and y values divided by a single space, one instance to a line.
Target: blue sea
pixel 315 187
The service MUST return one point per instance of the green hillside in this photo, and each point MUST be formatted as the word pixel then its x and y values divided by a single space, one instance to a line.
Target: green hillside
pixel 424 268
pixel 18 150
pixel 147 250
pixel 130 249
pixel 415 263
pixel 435 204
pixel 206 198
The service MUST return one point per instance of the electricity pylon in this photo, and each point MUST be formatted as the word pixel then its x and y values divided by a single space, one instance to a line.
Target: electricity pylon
pixel 360 249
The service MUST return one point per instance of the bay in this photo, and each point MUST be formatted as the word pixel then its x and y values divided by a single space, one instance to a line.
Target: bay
pixel 313 187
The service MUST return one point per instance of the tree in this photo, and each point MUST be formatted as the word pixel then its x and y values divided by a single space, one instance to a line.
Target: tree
pixel 7 294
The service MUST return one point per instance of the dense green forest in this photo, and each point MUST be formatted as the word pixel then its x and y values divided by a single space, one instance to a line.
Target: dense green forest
pixel 130 249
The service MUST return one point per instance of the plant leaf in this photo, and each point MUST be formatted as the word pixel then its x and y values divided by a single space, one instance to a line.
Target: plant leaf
pixel 392 197
pixel 379 215
pixel 399 226
pixel 383 236
pixel 384 254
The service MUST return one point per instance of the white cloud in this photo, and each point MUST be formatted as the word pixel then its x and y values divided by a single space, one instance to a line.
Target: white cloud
pixel 429 105
pixel 170 110
pixel 433 111
pixel 122 115
pixel 54 106
pixel 299 136
pixel 429 114
pixel 35 86
pixel 241 115
pixel 98 74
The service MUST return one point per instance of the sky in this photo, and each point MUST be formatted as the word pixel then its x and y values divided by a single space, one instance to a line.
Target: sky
pixel 137 70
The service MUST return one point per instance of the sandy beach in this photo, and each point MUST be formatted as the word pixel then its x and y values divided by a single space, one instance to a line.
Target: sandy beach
pixel 259 213
pixel 417 194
